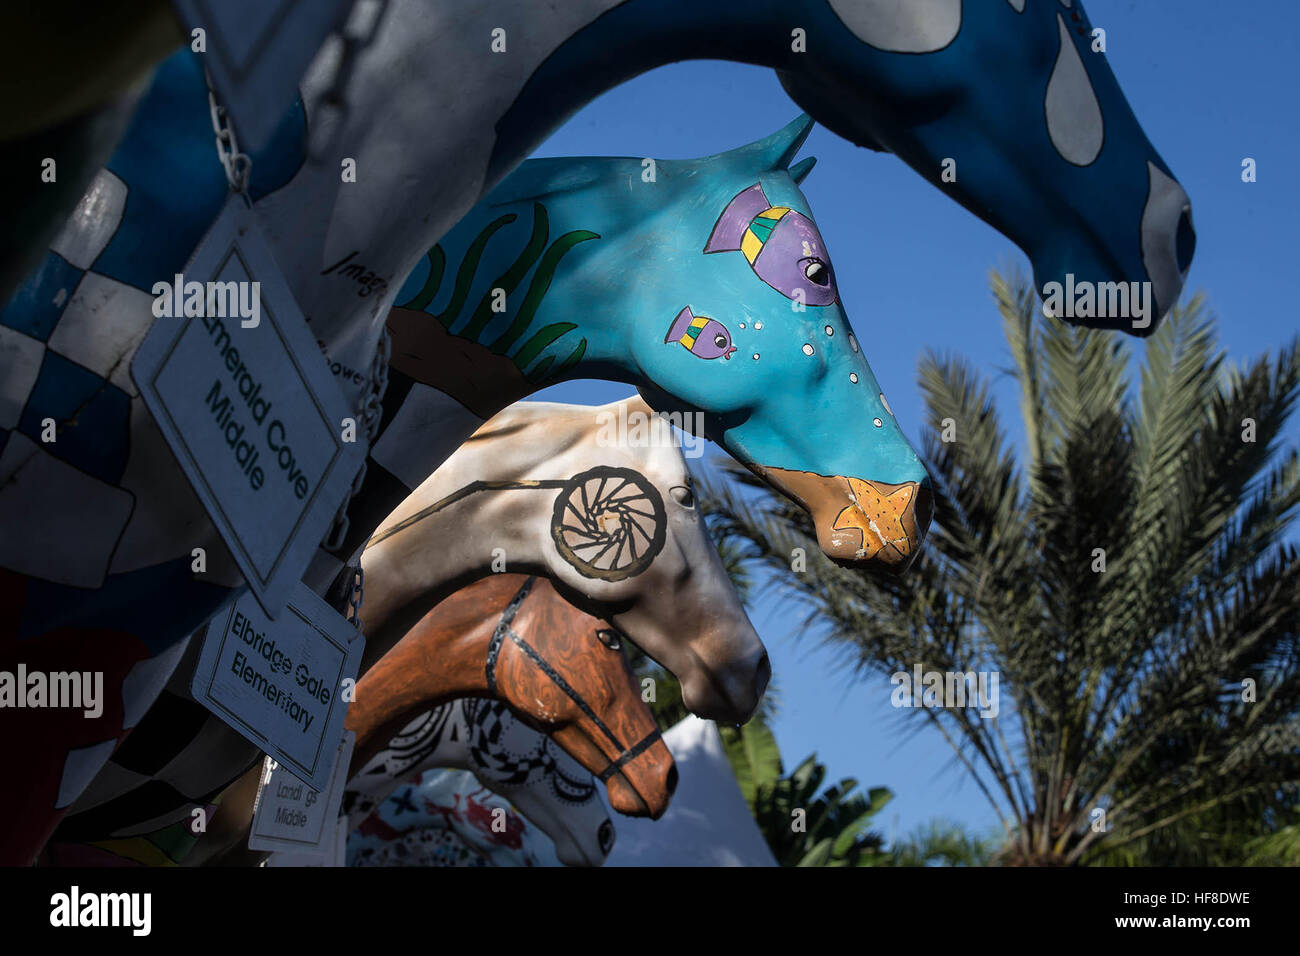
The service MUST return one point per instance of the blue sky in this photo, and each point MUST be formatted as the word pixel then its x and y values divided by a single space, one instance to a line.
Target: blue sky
pixel 1211 83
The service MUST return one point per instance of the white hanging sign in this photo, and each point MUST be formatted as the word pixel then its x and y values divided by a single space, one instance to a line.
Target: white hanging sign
pixel 236 383
pixel 289 815
pixel 283 684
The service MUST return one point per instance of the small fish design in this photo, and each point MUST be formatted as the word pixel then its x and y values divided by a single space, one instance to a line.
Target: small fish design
pixel 701 336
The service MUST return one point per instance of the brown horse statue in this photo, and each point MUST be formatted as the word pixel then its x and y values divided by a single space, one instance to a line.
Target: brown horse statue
pixel 513 638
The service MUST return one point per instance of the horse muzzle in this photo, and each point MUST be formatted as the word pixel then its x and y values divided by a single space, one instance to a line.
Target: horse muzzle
pixel 861 523
pixel 643 787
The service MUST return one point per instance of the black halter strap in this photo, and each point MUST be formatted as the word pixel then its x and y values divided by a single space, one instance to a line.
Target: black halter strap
pixel 627 756
pixel 504 630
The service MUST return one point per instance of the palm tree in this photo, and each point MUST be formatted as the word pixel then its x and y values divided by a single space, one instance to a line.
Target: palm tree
pixel 801 826
pixel 1126 577
pixel 941 843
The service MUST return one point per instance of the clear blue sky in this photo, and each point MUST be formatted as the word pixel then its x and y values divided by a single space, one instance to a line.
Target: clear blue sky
pixel 1210 82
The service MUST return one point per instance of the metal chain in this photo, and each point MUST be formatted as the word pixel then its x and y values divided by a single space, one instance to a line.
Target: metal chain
pixel 368 416
pixel 334 99
pixel 237 164
pixel 356 597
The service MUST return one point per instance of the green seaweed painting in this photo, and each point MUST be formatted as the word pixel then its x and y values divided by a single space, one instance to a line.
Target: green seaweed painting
pixel 530 350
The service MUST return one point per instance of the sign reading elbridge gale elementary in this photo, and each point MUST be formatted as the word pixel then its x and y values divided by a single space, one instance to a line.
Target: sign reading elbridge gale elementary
pixel 283 684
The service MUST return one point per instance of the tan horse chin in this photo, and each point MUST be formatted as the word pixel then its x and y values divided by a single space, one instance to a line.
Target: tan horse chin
pixel 860 523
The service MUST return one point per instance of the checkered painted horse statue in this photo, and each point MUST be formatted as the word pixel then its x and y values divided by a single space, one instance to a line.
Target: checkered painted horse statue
pixel 100 578
pixel 524 769
pixel 599 500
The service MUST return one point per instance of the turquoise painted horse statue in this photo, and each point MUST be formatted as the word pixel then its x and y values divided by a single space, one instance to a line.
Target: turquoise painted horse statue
pixel 101 523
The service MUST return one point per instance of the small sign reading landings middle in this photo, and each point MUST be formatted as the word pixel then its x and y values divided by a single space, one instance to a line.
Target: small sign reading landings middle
pixel 290 816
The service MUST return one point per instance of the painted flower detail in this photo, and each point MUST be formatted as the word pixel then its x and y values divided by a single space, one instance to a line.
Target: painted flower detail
pixel 782 246
pixel 701 336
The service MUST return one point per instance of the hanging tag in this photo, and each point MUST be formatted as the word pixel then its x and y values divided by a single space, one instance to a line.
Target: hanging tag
pixel 335 853
pixel 338 850
pixel 290 815
pixel 280 682
pixel 256 52
pixel 235 380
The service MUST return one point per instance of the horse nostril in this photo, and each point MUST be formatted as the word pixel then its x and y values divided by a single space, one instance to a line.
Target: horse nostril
pixel 763 675
pixel 606 836
pixel 672 780
pixel 1185 242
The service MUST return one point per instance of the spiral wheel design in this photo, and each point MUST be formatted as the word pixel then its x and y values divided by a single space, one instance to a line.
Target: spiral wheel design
pixel 609 523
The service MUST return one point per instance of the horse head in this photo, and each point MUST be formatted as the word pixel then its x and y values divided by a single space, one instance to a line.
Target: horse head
pixel 485 737
pixel 708 286
pixel 600 501
pixel 515 639
pixel 1010 108
pixel 627 541
pixel 758 340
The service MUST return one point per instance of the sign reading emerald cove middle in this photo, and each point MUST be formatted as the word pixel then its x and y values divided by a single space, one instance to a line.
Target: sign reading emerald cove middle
pixel 236 383
pixel 282 684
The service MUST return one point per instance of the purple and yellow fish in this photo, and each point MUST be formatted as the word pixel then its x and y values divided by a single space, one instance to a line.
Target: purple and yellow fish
pixel 701 336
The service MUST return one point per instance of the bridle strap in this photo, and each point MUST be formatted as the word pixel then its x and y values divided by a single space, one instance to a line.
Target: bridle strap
pixel 627 756
pixel 565 686
pixel 504 630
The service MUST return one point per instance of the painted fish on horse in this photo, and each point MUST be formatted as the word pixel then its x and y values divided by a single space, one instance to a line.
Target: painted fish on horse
pixel 445 818
pixel 1050 154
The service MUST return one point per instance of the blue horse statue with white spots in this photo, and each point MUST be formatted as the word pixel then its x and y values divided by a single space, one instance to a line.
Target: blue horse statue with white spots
pixel 100 523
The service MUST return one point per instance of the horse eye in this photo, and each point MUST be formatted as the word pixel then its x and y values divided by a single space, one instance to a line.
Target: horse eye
pixel 683 495
pixel 609 637
pixel 816 272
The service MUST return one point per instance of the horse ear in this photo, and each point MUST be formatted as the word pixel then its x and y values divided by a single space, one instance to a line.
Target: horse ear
pixel 800 170
pixel 781 146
